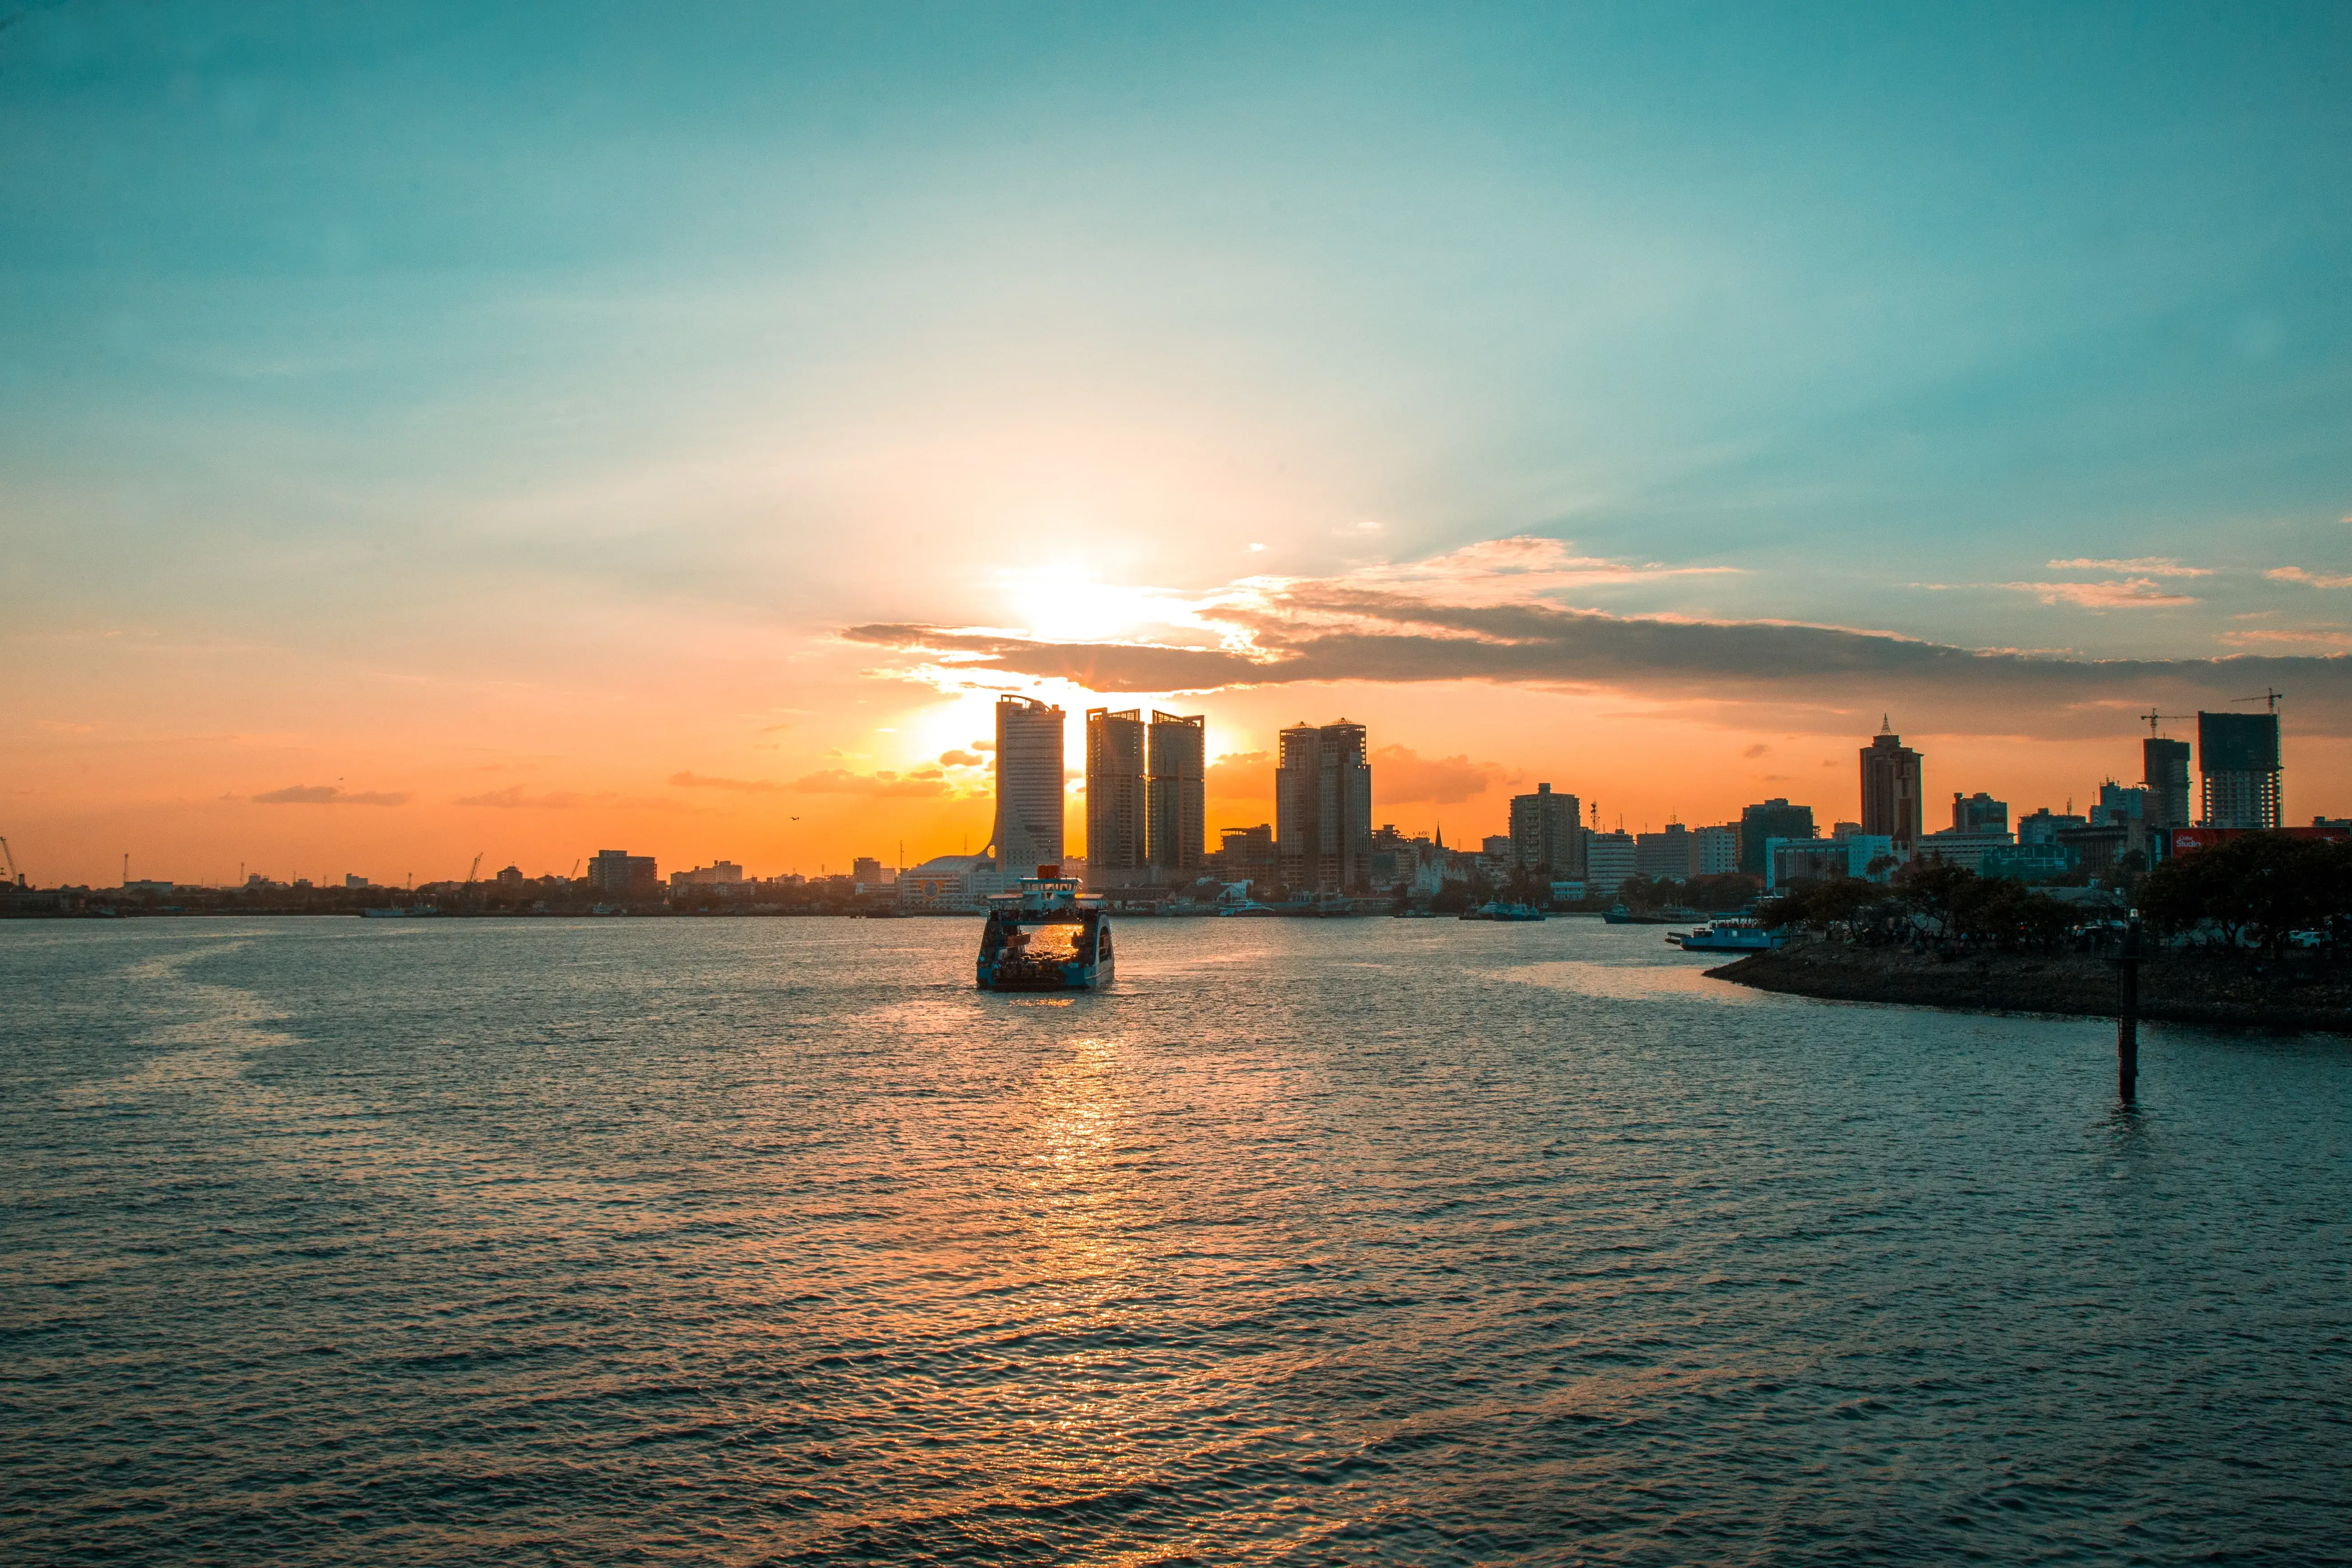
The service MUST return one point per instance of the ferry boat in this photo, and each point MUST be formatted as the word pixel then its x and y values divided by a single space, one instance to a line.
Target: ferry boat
pixel 1046 937
pixel 1728 936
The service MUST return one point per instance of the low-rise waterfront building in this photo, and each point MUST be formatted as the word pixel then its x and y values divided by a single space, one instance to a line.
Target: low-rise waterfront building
pixel 1609 859
pixel 1865 856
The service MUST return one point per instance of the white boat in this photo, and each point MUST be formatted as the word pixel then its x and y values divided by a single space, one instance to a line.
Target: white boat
pixel 1729 936
pixel 1046 937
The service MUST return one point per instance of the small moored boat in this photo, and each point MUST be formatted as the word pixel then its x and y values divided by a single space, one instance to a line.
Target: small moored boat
pixel 1728 936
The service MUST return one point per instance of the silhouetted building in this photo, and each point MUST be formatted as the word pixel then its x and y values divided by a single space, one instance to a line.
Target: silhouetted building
pixel 1323 809
pixel 509 879
pixel 720 874
pixel 1028 829
pixel 1774 818
pixel 2238 761
pixel 1177 765
pixel 2044 826
pixel 1117 802
pixel 1890 791
pixel 1670 855
pixel 619 872
pixel 2164 772
pixel 1865 856
pixel 1547 832
pixel 2095 848
pixel 1247 855
pixel 1979 813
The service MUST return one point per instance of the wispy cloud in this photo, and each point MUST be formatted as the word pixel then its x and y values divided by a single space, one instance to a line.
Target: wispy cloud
pixel 704 781
pixel 327 794
pixel 514 797
pixel 2132 593
pixel 2269 637
pixel 2297 574
pixel 1407 777
pixel 2153 565
pixel 926 781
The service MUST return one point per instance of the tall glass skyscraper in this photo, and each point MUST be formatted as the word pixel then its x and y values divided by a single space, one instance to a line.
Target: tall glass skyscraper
pixel 1028 832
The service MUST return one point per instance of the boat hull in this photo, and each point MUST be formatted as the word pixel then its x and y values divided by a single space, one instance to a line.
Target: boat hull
pixel 1060 950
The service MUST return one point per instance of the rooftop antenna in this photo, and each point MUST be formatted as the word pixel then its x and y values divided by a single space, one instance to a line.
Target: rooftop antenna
pixel 1886 726
pixel 2267 696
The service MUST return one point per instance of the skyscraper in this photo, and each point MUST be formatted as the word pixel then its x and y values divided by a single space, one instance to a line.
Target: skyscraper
pixel 1177 771
pixel 1979 813
pixel 1323 808
pixel 1028 830
pixel 1117 830
pixel 1547 831
pixel 2163 769
pixel 2238 761
pixel 1890 791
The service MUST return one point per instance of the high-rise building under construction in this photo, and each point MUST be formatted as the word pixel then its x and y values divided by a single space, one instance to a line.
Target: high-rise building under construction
pixel 1323 809
pixel 2238 761
pixel 2164 771
pixel 1028 830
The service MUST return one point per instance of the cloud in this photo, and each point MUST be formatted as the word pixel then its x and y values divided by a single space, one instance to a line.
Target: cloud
pixel 960 759
pixel 841 781
pixel 1241 775
pixel 1759 749
pixel 1277 632
pixel 2297 574
pixel 704 781
pixel 2137 593
pixel 1402 775
pixel 2279 637
pixel 326 795
pixel 513 798
pixel 2153 565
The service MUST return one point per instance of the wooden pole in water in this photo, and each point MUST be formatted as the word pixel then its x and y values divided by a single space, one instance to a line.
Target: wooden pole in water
pixel 2128 1017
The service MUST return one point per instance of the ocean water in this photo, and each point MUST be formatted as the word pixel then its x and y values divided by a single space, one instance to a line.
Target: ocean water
pixel 771 1241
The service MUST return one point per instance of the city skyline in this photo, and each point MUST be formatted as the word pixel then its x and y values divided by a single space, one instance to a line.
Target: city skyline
pixel 426 433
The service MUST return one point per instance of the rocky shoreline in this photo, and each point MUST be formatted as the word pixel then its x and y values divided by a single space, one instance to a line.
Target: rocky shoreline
pixel 2233 992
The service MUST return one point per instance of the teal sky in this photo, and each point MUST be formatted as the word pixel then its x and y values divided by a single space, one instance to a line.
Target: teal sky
pixel 540 345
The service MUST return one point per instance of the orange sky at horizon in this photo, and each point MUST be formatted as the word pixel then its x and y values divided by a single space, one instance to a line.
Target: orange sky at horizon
pixel 428 772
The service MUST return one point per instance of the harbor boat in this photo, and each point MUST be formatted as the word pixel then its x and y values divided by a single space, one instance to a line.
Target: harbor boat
pixel 1046 937
pixel 1619 915
pixel 396 912
pixel 1515 913
pixel 1727 935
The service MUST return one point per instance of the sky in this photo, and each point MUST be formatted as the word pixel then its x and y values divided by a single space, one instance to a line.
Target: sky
pixel 438 431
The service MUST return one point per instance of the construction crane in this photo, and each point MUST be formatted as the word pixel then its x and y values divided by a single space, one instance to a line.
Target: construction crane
pixel 475 866
pixel 9 855
pixel 2267 696
pixel 2155 719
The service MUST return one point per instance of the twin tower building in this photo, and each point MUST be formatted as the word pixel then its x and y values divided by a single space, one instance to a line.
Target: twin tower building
pixel 1147 793
pixel 1147 797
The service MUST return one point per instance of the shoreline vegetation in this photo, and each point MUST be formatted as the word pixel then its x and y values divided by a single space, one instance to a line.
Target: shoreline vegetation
pixel 2297 992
